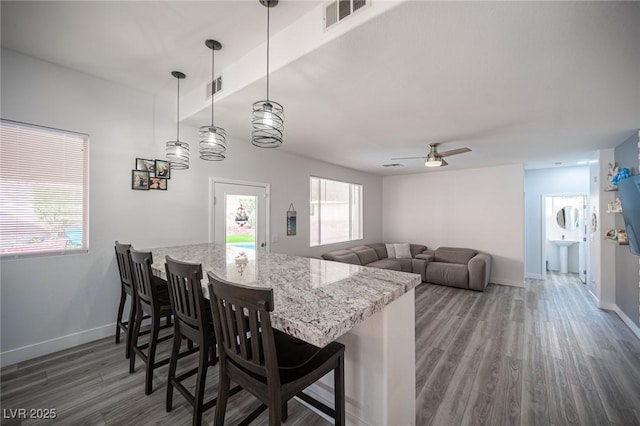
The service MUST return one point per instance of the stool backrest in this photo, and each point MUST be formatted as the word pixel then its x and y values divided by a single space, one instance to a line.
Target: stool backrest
pixel 242 325
pixel 142 276
pixel 124 264
pixel 185 294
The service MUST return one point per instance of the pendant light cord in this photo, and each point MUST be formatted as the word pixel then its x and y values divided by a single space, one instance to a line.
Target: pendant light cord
pixel 213 82
pixel 268 8
pixel 178 113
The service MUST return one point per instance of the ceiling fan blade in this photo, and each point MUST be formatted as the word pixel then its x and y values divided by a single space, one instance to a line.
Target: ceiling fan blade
pixel 453 152
pixel 408 158
pixel 444 163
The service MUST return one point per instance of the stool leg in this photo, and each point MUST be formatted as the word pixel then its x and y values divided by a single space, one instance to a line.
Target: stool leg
pixel 275 408
pixel 151 355
pixel 173 362
pixel 123 299
pixel 134 343
pixel 132 318
pixel 223 395
pixel 338 376
pixel 200 383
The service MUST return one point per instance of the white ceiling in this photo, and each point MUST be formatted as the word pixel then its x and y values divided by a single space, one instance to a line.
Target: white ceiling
pixel 534 83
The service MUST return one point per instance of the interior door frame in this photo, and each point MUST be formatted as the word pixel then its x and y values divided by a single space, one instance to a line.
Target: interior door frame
pixel 267 204
pixel 543 233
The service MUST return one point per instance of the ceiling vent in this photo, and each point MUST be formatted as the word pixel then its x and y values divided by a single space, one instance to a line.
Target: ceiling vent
pixel 213 88
pixel 392 165
pixel 337 10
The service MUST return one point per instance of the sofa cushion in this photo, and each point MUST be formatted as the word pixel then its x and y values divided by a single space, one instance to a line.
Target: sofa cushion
pixel 403 251
pixel 405 265
pixel 391 251
pixel 454 255
pixel 365 253
pixel 451 274
pixel 381 250
pixel 392 264
pixel 344 256
pixel 416 249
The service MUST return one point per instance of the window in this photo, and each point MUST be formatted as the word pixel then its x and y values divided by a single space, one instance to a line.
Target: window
pixel 335 211
pixel 43 190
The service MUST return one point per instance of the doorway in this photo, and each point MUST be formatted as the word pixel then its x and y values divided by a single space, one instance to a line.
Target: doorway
pixel 239 214
pixel 564 241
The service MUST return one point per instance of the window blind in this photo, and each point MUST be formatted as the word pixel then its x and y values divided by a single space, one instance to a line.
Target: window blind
pixel 44 182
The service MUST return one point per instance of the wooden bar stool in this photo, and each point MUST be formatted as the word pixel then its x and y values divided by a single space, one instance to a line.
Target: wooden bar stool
pixel 192 320
pixel 152 297
pixel 269 364
pixel 126 289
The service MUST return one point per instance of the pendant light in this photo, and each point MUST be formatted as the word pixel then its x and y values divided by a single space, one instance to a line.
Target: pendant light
pixel 178 152
pixel 268 116
pixel 213 140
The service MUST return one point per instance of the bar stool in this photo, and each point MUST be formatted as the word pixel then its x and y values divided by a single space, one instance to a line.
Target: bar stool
pixel 192 320
pixel 126 289
pixel 269 364
pixel 152 298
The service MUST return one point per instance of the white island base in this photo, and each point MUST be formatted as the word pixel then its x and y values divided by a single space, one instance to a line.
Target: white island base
pixel 380 368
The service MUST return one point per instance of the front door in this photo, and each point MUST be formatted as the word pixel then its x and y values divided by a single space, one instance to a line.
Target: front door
pixel 240 215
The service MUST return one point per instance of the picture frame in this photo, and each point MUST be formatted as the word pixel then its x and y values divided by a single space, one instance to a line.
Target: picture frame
pixel 144 164
pixel 162 169
pixel 140 180
pixel 156 183
pixel 291 221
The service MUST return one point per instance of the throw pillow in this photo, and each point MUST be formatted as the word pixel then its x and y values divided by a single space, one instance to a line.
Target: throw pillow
pixel 403 251
pixel 391 251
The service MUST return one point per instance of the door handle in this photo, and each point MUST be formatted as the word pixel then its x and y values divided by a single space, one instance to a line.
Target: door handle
pixel 263 245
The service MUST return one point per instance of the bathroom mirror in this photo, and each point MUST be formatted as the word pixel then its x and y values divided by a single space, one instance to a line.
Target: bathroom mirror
pixel 567 218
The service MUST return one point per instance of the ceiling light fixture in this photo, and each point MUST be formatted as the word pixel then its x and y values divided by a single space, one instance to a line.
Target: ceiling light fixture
pixel 178 152
pixel 433 162
pixel 268 116
pixel 213 140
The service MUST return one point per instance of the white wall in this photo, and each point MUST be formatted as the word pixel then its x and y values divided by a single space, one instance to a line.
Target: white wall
pixel 476 208
pixel 50 303
pixel 537 184
pixel 606 260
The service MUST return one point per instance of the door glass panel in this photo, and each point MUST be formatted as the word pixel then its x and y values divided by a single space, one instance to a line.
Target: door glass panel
pixel 240 221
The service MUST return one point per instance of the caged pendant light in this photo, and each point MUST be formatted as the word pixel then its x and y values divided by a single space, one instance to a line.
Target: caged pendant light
pixel 268 116
pixel 213 140
pixel 178 152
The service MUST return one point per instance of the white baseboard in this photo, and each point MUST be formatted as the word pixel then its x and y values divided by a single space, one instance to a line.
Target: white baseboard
pixel 632 326
pixel 533 276
pixel 24 353
pixel 511 283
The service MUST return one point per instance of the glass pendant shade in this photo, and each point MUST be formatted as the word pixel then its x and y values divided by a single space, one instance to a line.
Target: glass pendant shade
pixel 178 155
pixel 213 143
pixel 268 124
pixel 213 140
pixel 267 118
pixel 177 152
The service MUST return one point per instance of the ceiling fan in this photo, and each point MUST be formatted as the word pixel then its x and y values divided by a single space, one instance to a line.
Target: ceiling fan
pixel 435 158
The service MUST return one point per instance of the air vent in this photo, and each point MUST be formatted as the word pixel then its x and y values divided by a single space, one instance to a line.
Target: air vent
pixel 213 89
pixel 392 165
pixel 337 10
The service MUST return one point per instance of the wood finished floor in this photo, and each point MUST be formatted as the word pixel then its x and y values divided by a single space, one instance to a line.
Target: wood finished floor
pixel 543 354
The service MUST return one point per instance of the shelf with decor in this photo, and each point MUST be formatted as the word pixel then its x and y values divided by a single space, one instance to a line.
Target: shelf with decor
pixel 617 235
pixel 614 206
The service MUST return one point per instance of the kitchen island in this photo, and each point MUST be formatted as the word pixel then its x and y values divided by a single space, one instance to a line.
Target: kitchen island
pixel 369 310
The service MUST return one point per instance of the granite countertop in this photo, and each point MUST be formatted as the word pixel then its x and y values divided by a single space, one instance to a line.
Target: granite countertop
pixel 315 300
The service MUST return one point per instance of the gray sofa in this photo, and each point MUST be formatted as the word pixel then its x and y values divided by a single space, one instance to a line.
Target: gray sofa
pixel 375 255
pixel 450 266
pixel 459 267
